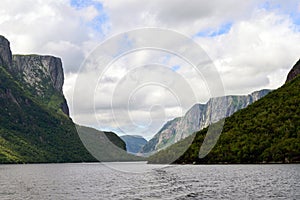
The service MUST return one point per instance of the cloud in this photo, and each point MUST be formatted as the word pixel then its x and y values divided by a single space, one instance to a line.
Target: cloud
pixel 254 50
pixel 128 101
pixel 188 18
pixel 49 27
pixel 253 44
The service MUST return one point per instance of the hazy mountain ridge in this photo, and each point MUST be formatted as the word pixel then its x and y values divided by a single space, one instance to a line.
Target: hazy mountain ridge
pixel 198 117
pixel 134 143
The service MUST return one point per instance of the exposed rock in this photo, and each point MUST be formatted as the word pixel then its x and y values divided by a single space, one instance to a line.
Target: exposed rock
pixel 37 68
pixel 199 117
pixel 163 138
pixel 5 53
pixel 295 71
pixel 42 75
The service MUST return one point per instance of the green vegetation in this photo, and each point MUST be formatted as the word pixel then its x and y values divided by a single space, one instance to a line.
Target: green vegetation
pixel 105 146
pixel 33 132
pixel 115 140
pixel 33 129
pixel 267 131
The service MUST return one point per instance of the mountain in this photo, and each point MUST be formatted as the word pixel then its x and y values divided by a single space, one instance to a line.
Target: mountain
pixel 43 77
pixel 134 143
pixel 33 126
pixel 266 131
pixel 105 146
pixel 34 122
pixel 5 52
pixel 199 117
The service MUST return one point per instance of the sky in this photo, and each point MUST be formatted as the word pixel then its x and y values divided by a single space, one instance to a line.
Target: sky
pixel 250 45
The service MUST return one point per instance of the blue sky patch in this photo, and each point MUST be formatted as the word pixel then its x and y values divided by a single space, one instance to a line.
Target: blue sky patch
pixel 99 20
pixel 175 68
pixel 85 3
pixel 223 29
pixel 125 44
pixel 289 9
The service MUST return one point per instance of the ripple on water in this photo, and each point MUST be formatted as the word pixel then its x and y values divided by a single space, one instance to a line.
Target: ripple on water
pixel 97 181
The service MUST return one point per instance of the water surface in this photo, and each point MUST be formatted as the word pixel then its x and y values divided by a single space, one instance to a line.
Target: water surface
pixel 102 181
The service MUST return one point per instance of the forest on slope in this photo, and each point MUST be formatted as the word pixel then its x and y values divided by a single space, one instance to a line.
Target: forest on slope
pixel 267 131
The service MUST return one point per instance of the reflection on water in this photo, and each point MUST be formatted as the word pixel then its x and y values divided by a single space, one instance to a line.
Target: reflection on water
pixel 103 181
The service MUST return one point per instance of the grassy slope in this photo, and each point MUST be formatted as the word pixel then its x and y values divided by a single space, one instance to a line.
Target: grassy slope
pixel 266 131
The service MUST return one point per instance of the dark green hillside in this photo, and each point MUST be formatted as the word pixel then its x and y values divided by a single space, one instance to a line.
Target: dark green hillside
pixel 34 118
pixel 266 131
pixel 32 132
pixel 116 140
pixel 105 146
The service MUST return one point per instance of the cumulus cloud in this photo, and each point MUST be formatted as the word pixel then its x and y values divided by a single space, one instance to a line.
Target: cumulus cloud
pixel 188 18
pixel 134 96
pixel 48 27
pixel 252 43
pixel 256 53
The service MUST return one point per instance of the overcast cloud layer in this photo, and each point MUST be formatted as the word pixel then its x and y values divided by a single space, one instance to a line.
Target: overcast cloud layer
pixel 252 43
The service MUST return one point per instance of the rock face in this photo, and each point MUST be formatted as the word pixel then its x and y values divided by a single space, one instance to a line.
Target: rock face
pixel 42 75
pixel 267 131
pixel 295 71
pixel 5 53
pixel 37 68
pixel 33 128
pixel 199 117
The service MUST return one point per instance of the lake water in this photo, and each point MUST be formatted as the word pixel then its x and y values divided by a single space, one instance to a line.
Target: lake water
pixel 117 181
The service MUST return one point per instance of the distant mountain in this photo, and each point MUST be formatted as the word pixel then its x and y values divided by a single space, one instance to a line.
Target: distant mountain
pixel 134 143
pixel 265 132
pixel 199 117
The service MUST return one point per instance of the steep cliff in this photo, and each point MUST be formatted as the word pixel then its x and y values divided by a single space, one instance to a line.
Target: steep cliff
pixel 199 117
pixel 31 132
pixel 5 52
pixel 295 71
pixel 42 76
pixel 39 71
pixel 33 127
